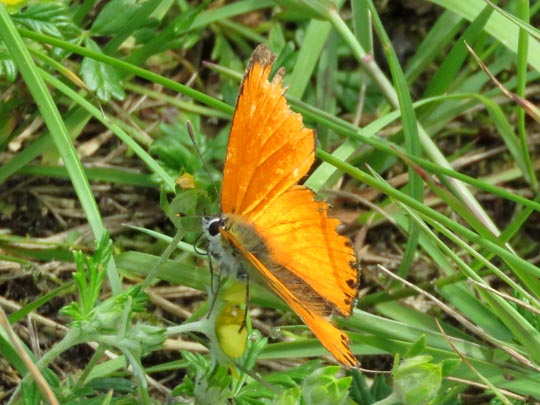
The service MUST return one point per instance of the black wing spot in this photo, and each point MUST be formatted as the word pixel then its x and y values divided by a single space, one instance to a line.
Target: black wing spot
pixel 352 283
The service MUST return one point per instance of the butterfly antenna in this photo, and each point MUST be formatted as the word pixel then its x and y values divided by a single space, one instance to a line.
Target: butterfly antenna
pixel 192 136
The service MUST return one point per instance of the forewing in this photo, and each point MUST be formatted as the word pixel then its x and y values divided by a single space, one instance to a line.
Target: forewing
pixel 300 236
pixel 269 149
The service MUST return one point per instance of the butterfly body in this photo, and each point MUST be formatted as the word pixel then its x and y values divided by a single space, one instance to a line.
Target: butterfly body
pixel 272 225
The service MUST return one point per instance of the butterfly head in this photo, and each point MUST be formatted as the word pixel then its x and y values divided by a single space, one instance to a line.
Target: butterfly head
pixel 219 247
pixel 211 226
pixel 211 229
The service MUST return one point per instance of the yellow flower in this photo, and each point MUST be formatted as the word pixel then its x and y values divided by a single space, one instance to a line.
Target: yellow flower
pixel 186 181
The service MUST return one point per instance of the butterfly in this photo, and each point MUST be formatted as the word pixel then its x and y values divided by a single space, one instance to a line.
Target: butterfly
pixel 273 228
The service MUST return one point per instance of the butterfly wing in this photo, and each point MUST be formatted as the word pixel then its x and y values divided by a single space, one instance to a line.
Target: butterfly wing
pixel 308 305
pixel 299 236
pixel 269 149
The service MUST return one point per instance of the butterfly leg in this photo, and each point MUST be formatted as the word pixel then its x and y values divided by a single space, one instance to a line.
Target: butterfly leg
pixel 245 277
pixel 214 289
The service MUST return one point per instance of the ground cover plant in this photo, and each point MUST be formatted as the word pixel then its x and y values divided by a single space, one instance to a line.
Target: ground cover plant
pixel 427 150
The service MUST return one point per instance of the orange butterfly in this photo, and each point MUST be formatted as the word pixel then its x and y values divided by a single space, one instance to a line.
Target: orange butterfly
pixel 272 224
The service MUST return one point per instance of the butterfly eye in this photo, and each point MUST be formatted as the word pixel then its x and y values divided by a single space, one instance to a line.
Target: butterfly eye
pixel 213 227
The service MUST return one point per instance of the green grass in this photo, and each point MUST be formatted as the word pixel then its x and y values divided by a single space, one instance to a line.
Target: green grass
pixel 447 163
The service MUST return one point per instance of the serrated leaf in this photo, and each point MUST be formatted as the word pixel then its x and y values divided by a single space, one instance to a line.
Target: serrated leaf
pixel 46 18
pixel 380 388
pixel 325 385
pixel 417 380
pixel 291 396
pixel 114 16
pixel 104 80
pixel 8 69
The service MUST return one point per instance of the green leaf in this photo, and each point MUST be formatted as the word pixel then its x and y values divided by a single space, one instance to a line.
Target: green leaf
pixel 46 18
pixel 186 207
pixel 418 348
pixel 291 396
pixel 360 391
pixel 104 80
pixel 114 16
pixel 417 380
pixel 89 278
pixel 8 69
pixel 204 382
pixel 380 388
pixel 115 384
pixel 325 385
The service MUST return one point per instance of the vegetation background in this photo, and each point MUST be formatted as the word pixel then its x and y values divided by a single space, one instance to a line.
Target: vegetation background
pixel 430 162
